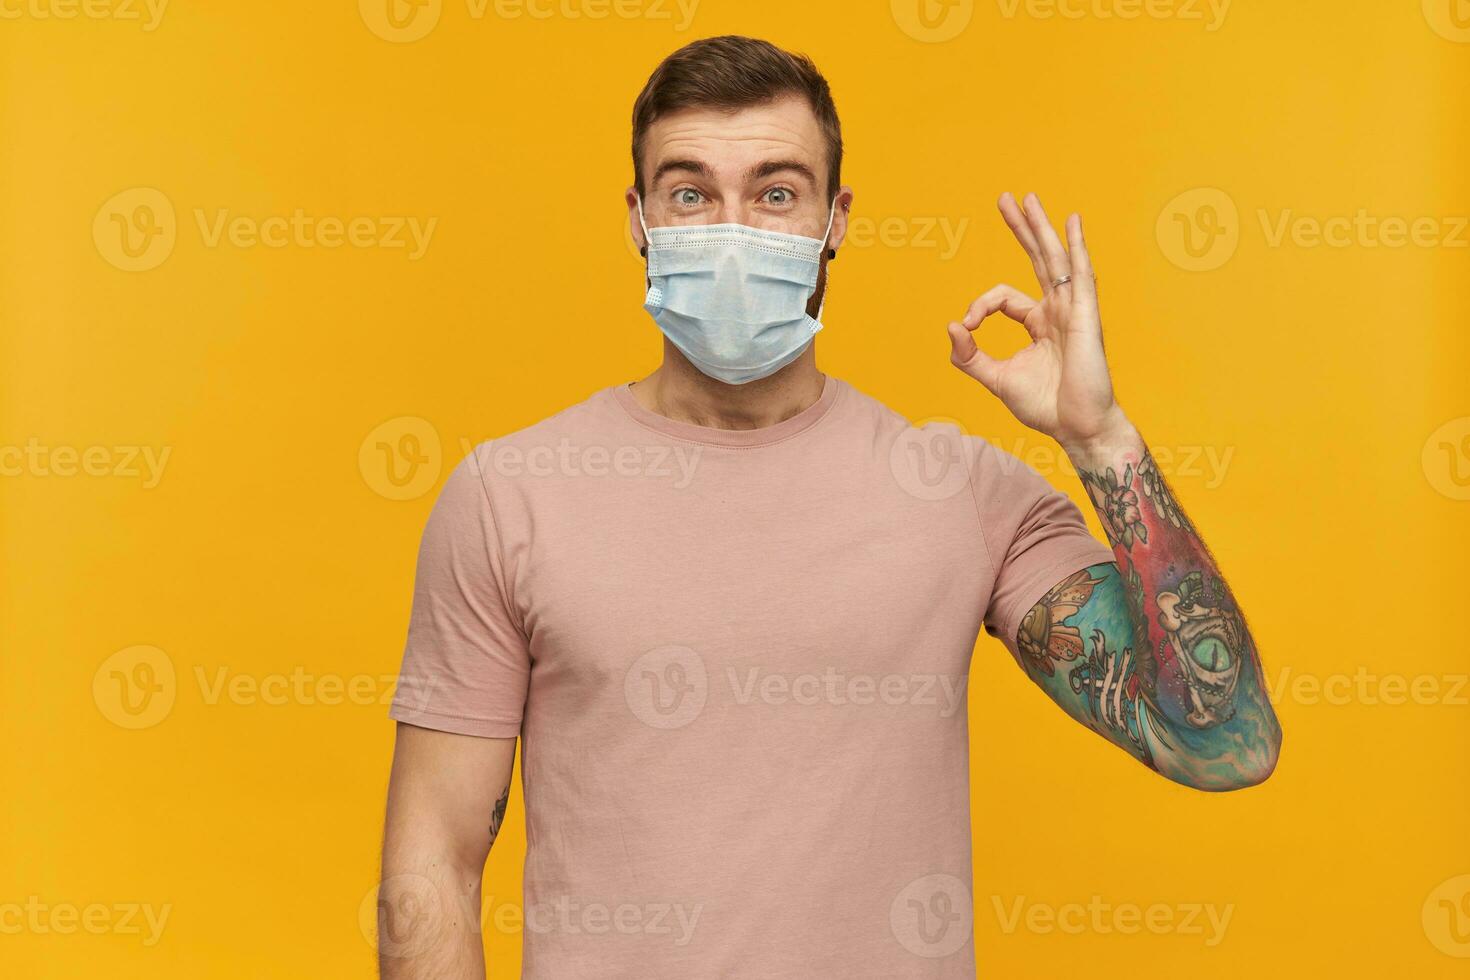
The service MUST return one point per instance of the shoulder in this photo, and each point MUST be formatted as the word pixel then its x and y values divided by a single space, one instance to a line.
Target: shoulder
pixel 487 472
pixel 494 461
pixel 946 435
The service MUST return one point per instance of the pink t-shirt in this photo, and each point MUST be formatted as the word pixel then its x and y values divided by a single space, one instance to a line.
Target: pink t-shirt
pixel 737 664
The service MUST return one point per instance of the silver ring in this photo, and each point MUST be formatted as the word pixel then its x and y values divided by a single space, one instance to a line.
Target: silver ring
pixel 1059 281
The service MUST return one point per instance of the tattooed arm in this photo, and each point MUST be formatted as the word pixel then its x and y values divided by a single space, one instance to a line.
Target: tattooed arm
pixel 1151 652
pixel 446 803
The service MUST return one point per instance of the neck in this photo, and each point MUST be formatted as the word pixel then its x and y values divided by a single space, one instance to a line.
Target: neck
pixel 680 391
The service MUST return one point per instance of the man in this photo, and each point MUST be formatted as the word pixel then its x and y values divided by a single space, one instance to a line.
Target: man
pixel 729 609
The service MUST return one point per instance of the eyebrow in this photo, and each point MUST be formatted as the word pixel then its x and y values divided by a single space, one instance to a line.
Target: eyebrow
pixel 759 172
pixel 682 166
pixel 772 167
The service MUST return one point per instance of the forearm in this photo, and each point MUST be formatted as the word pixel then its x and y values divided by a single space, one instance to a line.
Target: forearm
pixel 447 798
pixel 428 913
pixel 1198 673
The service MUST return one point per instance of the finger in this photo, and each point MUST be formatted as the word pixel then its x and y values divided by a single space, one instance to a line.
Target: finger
pixel 1057 264
pixel 1084 281
pixel 1000 299
pixel 1016 221
pixel 969 358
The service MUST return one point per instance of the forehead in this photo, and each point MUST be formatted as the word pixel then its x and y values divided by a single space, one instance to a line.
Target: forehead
pixel 785 128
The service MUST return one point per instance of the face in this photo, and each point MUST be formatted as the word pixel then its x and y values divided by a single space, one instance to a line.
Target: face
pixel 764 166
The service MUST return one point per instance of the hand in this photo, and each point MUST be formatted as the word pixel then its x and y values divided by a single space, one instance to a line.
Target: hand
pixel 1059 383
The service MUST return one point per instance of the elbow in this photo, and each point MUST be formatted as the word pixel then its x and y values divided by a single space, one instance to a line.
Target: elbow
pixel 1252 768
pixel 1255 774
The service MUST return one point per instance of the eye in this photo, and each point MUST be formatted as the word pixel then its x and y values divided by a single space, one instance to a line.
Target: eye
pixel 687 197
pixel 1211 653
pixel 780 196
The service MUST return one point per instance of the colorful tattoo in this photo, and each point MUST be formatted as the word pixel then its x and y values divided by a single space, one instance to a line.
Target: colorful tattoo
pixel 1170 672
pixel 1117 703
pixel 1117 505
pixel 1044 635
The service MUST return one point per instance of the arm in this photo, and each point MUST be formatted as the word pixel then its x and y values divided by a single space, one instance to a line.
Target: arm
pixel 1152 652
pixel 446 801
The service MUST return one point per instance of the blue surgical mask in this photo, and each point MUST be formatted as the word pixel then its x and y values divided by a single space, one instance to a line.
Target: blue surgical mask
pixel 733 298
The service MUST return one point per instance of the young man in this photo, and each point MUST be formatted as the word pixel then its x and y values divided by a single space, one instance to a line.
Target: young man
pixel 729 609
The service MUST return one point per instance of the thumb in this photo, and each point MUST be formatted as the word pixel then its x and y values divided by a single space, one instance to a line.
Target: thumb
pixel 966 355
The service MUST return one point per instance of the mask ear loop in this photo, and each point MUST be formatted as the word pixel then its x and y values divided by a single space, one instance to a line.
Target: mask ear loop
pixel 831 254
pixel 646 238
pixel 827 235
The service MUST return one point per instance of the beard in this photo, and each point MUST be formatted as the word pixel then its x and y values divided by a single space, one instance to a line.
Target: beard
pixel 814 305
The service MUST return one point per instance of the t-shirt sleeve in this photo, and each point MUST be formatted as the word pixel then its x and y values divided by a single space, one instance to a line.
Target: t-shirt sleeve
pixel 466 665
pixel 1034 534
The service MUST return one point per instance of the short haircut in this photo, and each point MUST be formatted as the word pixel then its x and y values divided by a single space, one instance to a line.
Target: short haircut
pixel 732 73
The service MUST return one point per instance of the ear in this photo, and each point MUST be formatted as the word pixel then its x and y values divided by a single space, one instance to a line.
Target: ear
pixel 843 201
pixel 635 227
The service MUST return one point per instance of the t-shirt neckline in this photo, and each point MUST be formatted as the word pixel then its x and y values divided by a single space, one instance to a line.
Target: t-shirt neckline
pixel 739 438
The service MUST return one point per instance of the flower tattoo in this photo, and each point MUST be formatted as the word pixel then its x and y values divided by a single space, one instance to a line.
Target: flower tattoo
pixel 1117 504
pixel 1044 637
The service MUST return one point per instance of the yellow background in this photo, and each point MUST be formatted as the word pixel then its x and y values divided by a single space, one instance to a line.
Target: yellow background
pixel 266 551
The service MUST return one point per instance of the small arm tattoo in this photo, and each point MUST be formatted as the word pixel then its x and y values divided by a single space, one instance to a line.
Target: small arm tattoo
pixel 497 816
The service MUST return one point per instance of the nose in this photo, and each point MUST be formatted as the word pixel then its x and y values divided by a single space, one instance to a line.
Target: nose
pixel 733 213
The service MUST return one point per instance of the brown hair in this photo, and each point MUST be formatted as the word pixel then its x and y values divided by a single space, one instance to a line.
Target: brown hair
pixel 731 73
